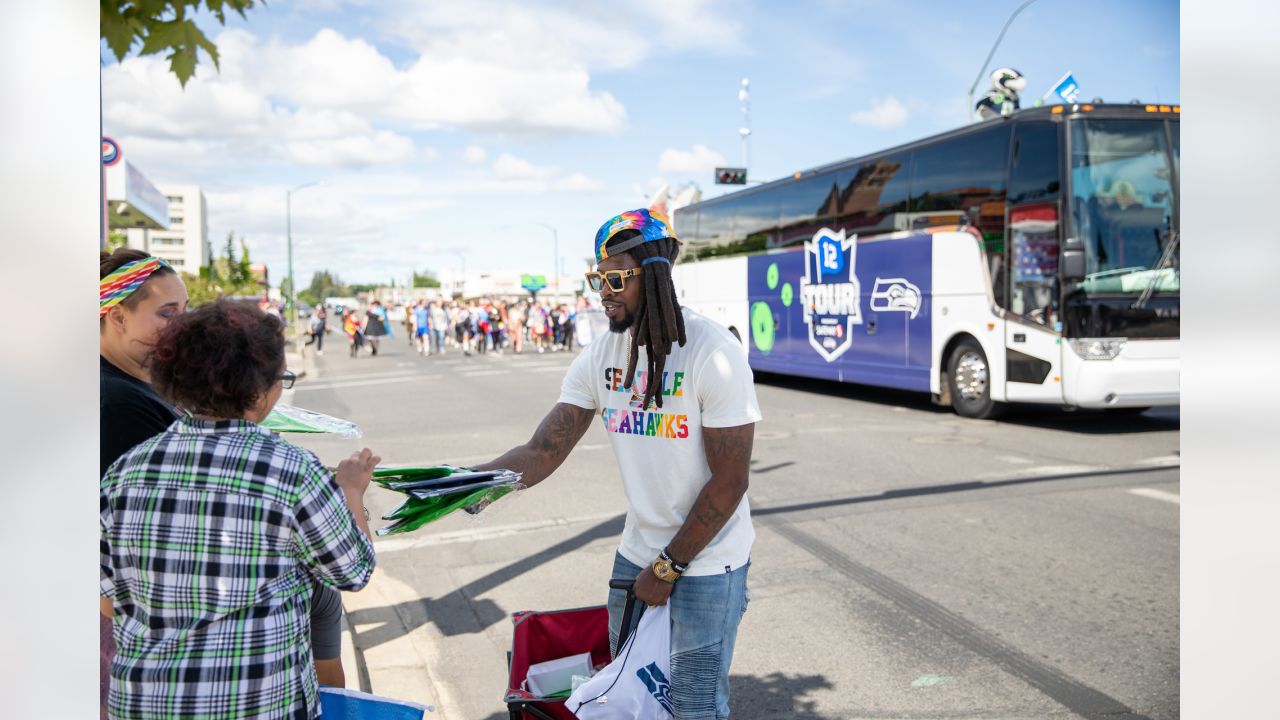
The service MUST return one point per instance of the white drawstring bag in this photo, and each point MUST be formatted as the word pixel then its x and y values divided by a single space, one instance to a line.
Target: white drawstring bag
pixel 636 685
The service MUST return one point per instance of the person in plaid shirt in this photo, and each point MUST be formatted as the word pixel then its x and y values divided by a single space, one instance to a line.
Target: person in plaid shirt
pixel 211 531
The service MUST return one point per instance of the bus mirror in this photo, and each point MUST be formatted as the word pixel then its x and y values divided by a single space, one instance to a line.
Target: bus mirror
pixel 1072 264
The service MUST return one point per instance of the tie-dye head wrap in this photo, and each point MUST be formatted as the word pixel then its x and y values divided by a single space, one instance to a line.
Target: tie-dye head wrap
pixel 120 283
pixel 652 224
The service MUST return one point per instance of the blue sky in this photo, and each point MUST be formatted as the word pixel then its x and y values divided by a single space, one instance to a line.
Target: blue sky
pixel 446 132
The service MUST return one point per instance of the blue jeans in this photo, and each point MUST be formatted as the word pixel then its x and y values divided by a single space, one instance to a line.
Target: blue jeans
pixel 705 612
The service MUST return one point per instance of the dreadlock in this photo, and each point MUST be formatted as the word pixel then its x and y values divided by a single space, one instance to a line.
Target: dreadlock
pixel 659 322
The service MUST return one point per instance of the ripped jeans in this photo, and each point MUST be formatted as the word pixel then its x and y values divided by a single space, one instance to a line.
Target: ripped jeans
pixel 705 612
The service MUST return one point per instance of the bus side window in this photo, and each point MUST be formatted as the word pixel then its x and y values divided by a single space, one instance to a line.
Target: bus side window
pixel 962 181
pixel 1034 227
pixel 873 196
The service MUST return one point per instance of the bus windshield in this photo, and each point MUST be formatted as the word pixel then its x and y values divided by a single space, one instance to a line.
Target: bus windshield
pixel 1124 200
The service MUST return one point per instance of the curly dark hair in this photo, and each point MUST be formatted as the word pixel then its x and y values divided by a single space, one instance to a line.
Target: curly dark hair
pixel 108 262
pixel 659 324
pixel 217 360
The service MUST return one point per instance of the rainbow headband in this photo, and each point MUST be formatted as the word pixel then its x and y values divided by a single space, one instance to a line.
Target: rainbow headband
pixel 652 224
pixel 120 283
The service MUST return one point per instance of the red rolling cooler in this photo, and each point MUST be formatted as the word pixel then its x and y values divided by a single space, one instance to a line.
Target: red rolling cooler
pixel 541 636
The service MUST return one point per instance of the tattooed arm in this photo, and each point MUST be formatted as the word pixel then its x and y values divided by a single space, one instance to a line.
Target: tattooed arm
pixel 729 455
pixel 560 430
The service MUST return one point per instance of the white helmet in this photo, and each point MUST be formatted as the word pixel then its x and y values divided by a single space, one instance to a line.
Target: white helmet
pixel 1009 81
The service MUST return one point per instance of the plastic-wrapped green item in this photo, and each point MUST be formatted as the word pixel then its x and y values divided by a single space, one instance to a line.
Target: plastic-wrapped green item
pixel 288 418
pixel 384 476
pixel 415 512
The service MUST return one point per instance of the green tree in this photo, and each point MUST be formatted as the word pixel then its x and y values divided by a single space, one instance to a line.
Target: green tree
pixel 323 284
pixel 116 239
pixel 425 279
pixel 164 25
pixel 222 276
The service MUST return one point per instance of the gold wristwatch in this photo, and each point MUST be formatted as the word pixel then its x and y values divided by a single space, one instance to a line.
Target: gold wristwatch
pixel 666 569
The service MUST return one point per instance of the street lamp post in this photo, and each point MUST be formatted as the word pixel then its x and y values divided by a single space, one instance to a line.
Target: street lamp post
pixel 994 45
pixel 288 233
pixel 555 261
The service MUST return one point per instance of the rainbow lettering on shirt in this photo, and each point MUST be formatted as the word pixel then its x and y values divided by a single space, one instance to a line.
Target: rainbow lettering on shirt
pixel 648 424
pixel 640 420
pixel 672 384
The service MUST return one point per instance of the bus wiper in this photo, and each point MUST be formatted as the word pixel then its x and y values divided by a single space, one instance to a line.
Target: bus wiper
pixel 1170 247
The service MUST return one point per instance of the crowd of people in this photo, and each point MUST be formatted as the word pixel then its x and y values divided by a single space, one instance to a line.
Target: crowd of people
pixel 472 326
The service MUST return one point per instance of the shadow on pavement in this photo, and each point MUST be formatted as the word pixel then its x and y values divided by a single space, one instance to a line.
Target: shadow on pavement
pixel 1048 417
pixel 776 695
pixel 463 610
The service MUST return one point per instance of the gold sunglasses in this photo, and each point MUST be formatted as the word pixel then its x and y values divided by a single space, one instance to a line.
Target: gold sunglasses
pixel 616 279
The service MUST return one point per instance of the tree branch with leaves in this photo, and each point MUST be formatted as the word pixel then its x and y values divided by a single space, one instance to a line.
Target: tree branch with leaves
pixel 164 25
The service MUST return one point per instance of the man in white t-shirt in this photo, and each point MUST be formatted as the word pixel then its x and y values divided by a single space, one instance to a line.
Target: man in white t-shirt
pixel 675 392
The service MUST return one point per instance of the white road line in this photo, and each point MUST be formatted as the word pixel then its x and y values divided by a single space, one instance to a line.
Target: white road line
pixel 1154 494
pixel 344 377
pixel 1015 460
pixel 360 383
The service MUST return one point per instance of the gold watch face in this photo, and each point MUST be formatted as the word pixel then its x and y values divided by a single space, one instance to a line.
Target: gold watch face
pixel 664 571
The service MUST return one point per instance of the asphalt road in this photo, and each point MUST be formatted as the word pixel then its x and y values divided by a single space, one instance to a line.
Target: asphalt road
pixel 908 564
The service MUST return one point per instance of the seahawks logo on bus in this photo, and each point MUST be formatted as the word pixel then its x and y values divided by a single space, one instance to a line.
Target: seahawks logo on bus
pixel 829 292
pixel 895 295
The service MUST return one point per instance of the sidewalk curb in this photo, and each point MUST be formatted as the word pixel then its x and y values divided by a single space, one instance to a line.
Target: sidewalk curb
pixel 352 658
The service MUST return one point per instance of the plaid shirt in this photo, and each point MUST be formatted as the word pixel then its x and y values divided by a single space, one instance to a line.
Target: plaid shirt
pixel 209 533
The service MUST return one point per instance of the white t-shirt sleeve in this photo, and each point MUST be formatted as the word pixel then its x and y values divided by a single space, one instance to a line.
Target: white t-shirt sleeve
pixel 726 388
pixel 576 388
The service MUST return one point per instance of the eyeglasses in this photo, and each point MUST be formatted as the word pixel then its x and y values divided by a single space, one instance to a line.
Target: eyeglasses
pixel 287 378
pixel 616 279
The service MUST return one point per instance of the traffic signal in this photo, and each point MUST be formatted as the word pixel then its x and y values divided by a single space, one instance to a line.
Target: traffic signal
pixel 731 176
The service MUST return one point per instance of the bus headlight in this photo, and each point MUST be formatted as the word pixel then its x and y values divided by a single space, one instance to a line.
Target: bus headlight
pixel 1097 348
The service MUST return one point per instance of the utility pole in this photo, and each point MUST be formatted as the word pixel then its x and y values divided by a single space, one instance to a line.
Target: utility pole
pixel 744 97
pixel 288 233
pixel 555 260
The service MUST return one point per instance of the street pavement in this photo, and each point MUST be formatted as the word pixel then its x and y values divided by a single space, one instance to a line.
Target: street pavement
pixel 908 564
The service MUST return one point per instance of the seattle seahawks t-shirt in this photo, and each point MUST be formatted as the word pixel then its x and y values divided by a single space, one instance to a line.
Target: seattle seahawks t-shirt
pixel 705 384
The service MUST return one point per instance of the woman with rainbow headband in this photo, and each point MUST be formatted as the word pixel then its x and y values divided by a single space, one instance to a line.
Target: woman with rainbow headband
pixel 137 297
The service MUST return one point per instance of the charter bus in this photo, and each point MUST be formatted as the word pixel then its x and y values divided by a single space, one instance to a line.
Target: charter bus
pixel 1031 259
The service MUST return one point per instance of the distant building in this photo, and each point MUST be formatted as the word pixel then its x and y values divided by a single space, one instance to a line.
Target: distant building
pixel 185 244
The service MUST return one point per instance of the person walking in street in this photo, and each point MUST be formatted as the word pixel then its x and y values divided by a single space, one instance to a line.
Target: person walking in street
pixel 422 328
pixel 439 321
pixel 214 531
pixel 675 393
pixel 354 330
pixel 515 327
pixel 319 328
pixel 376 326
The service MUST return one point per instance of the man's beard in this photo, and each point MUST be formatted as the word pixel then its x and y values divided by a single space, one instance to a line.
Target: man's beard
pixel 622 325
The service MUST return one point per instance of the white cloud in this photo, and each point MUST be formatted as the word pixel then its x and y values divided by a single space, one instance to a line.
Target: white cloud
pixel 884 114
pixel 510 167
pixel 429 154
pixel 474 154
pixel 578 182
pixel 701 159
pixel 380 148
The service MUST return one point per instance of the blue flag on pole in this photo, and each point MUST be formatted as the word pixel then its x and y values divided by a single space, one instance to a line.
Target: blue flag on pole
pixel 343 704
pixel 1067 89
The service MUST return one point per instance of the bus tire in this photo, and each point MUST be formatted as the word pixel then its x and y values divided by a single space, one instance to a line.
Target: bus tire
pixel 969 381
